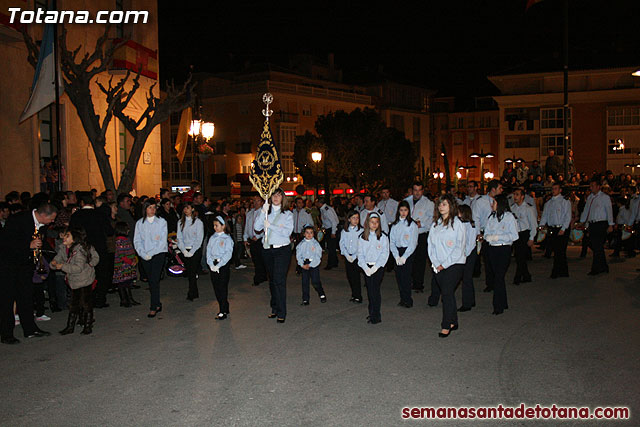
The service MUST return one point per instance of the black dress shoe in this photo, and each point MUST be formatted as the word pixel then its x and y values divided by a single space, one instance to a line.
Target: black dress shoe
pixel 352 299
pixel 305 303
pixel 280 320
pixel 10 340
pixel 357 300
pixel 221 316
pixel 323 298
pixel 463 308
pixel 37 334
pixel 272 316
pixel 374 321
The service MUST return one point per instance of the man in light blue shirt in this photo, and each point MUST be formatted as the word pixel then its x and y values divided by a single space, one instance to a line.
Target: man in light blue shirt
pixel 527 226
pixel 330 224
pixel 422 213
pixel 597 216
pixel 556 215
pixel 481 209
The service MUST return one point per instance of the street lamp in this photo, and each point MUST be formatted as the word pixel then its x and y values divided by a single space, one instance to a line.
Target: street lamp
pixel 636 73
pixel 481 155
pixel 488 175
pixel 316 156
pixel 202 132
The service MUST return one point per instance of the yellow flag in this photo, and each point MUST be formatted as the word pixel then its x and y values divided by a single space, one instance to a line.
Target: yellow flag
pixel 182 139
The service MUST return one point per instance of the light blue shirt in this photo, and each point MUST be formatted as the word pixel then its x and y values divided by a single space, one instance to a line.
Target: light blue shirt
pixel 503 232
pixel 469 200
pixel 249 224
pixel 598 208
pixel 481 209
pixel 349 241
pixel 556 212
pixel 373 251
pixel 471 236
pixel 280 227
pixel 150 238
pixel 389 207
pixel 329 219
pixel 526 218
pixel 403 236
pixel 422 211
pixel 300 219
pixel 309 249
pixel 635 202
pixel 190 236
pixel 447 244
pixel 220 248
pixel 624 216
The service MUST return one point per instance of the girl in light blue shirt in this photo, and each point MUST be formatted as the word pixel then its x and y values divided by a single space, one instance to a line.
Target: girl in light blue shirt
pixel 190 236
pixel 219 252
pixel 349 249
pixel 373 253
pixel 309 255
pixel 403 243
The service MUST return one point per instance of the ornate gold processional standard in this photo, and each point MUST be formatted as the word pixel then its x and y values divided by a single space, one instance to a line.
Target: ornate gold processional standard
pixel 266 170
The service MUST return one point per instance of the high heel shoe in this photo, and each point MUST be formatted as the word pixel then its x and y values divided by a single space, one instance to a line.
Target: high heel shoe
pixel 441 335
pixel 280 320
pixel 153 313
pixel 453 328
pixel 272 316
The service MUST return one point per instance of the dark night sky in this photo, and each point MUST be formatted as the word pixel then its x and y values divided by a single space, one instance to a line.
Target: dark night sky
pixel 450 45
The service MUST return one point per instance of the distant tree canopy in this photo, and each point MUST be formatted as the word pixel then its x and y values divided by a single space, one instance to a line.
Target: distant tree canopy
pixel 360 150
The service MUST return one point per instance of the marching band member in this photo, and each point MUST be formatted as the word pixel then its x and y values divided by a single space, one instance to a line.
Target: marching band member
pixel 330 224
pixel 309 255
pixel 277 222
pixel 300 218
pixel 481 210
pixel 190 236
pixel 369 207
pixel 447 254
pixel 556 215
pixel 422 213
pixel 349 249
pixel 387 204
pixel 597 216
pixel 623 219
pixel 500 231
pixel 403 243
pixel 373 252
pixel 219 252
pixel 472 194
pixel 527 227
pixel 471 252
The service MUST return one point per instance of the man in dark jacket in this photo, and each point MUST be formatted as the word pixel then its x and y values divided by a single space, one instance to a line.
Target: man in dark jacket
pixel 17 267
pixel 554 165
pixel 97 226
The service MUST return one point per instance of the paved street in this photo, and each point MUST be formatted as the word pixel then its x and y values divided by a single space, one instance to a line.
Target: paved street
pixel 569 341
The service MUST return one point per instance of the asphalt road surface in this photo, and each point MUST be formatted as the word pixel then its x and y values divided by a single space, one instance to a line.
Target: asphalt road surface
pixel 569 342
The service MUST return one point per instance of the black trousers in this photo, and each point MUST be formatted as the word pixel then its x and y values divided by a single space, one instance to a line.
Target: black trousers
pixel 468 291
pixel 332 256
pixel 373 283
pixel 419 262
pixel 238 247
pixel 153 268
pixel 277 263
pixel 499 258
pixel 403 277
pixel 447 281
pixel 220 282
pixel 192 265
pixel 558 245
pixel 434 298
pixel 489 275
pixel 598 233
pixel 38 298
pixel 81 300
pixel 477 267
pixel 255 248
pixel 103 276
pixel 16 286
pixel 353 276
pixel 520 248
pixel 311 275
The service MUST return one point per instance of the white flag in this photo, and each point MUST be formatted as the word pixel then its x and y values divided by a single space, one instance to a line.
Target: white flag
pixel 43 91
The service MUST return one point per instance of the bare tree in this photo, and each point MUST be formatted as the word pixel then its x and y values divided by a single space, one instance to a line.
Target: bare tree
pixel 78 75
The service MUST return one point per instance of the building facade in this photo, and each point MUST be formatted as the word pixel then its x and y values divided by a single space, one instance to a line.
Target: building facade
pixel 233 101
pixel 25 146
pixel 603 121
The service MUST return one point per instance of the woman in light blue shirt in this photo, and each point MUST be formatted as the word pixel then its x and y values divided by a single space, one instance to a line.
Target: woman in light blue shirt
pixel 150 241
pixel 403 241
pixel 349 249
pixel 277 222
pixel 447 254
pixel 190 235
pixel 500 233
pixel 308 256
pixel 373 253
pixel 219 253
